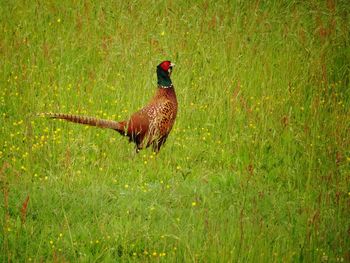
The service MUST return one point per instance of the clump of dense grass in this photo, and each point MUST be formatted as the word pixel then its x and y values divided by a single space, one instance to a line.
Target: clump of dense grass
pixel 256 168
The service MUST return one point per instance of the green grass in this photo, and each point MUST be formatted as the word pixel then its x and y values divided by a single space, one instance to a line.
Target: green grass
pixel 256 169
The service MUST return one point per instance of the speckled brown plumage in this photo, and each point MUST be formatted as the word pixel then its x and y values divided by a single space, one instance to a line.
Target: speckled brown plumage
pixel 153 123
pixel 149 126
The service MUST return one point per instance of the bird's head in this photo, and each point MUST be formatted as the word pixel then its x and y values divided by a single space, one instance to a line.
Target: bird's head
pixel 164 71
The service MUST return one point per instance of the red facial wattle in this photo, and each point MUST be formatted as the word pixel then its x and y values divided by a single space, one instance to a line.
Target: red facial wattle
pixel 165 65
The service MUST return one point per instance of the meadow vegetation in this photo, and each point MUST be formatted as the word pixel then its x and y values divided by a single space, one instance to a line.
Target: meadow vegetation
pixel 256 169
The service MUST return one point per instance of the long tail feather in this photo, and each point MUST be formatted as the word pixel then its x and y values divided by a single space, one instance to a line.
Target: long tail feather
pixel 101 123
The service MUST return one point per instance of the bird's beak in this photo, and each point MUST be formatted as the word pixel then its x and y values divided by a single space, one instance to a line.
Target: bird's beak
pixel 171 68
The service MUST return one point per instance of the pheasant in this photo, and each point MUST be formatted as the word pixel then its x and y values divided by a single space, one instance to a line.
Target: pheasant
pixel 149 126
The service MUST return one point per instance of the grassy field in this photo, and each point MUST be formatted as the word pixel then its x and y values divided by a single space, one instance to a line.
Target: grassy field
pixel 256 169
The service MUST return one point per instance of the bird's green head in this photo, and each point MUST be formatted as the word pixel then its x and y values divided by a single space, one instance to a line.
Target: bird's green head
pixel 164 71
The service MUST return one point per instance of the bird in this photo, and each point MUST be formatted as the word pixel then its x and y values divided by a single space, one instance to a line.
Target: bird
pixel 151 125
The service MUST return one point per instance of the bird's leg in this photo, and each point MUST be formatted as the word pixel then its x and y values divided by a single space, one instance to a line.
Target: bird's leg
pixel 158 144
pixel 135 152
